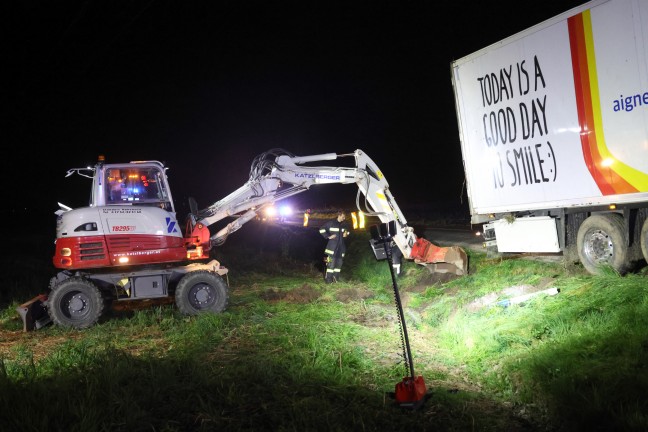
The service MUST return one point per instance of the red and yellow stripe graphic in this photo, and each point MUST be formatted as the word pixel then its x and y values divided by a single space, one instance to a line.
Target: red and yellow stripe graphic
pixel 611 175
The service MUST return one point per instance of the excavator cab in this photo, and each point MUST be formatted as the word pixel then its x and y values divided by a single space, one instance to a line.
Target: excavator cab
pixel 136 183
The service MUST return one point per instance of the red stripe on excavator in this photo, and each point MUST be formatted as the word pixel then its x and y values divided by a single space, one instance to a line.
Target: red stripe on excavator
pixel 104 251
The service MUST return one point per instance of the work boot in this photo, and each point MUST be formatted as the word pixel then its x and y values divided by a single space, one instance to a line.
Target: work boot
pixel 329 279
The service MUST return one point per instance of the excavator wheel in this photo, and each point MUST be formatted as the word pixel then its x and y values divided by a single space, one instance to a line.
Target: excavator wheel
pixel 75 302
pixel 201 291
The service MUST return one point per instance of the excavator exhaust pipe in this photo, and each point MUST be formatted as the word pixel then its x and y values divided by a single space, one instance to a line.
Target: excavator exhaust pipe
pixel 34 314
pixel 436 259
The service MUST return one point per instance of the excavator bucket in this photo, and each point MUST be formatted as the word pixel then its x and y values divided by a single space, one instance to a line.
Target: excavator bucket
pixel 436 259
pixel 33 313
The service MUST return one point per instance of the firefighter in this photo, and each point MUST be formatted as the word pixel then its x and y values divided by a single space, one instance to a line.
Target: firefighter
pixel 335 232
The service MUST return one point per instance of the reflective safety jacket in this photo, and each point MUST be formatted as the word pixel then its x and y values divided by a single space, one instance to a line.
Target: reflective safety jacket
pixel 335 247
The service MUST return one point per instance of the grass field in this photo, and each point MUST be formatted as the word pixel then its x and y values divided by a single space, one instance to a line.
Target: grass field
pixel 293 354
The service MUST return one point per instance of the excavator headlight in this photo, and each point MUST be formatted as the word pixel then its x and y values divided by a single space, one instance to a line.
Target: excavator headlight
pixel 123 260
pixel 66 251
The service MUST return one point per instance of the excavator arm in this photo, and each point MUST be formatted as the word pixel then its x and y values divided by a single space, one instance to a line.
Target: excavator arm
pixel 277 174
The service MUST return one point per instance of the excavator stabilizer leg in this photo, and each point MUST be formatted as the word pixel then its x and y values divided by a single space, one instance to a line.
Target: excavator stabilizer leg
pixel 33 313
pixel 436 259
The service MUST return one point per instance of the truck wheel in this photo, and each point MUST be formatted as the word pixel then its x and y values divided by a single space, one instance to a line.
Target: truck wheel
pixel 602 241
pixel 75 302
pixel 644 240
pixel 201 291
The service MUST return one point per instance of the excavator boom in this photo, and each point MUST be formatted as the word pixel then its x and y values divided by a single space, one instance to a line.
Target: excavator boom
pixel 277 174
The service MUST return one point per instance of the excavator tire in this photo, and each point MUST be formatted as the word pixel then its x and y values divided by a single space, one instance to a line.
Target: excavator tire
pixel 75 302
pixel 201 291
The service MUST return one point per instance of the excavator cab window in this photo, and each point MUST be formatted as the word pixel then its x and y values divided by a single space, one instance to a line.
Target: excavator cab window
pixel 135 185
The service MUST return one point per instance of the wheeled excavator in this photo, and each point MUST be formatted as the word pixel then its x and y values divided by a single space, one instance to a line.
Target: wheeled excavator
pixel 128 245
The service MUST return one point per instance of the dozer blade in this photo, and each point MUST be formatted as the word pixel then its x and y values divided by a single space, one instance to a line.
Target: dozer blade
pixel 436 259
pixel 33 313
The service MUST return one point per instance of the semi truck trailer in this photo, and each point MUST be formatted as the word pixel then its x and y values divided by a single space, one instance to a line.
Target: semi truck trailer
pixel 553 127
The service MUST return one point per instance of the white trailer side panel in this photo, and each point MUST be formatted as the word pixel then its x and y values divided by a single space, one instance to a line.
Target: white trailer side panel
pixel 557 115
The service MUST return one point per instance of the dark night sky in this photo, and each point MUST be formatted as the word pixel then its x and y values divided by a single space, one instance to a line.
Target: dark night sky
pixel 207 86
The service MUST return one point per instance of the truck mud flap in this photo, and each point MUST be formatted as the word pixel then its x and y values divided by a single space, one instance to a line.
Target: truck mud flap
pixel 436 259
pixel 34 314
